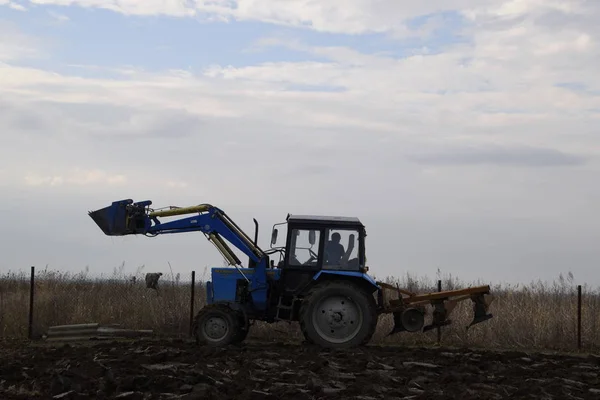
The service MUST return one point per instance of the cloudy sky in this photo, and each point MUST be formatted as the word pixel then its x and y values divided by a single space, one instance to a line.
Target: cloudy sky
pixel 463 133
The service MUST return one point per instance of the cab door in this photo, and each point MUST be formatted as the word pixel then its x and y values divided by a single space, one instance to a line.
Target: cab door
pixel 304 258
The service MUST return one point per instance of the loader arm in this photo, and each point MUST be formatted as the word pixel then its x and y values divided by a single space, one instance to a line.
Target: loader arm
pixel 128 218
pixel 125 217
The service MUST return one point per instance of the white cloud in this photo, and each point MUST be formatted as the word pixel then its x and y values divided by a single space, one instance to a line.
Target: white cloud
pixel 347 16
pixel 61 18
pixel 16 6
pixel 505 77
pixel 76 176
pixel 131 7
pixel 15 45
pixel 177 184
pixel 515 8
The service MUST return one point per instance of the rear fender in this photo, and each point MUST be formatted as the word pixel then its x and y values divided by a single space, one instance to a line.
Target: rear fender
pixel 367 282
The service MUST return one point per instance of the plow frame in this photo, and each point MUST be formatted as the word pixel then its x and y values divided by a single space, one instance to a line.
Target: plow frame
pixel 409 309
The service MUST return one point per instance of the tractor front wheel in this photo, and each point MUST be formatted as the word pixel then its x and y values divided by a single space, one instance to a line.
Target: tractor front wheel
pixel 338 314
pixel 217 325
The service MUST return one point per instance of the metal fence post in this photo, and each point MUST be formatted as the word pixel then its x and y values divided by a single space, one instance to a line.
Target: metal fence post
pixel 579 316
pixel 192 301
pixel 439 329
pixel 31 292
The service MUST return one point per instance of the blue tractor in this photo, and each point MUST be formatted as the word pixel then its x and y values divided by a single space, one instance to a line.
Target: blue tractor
pixel 318 278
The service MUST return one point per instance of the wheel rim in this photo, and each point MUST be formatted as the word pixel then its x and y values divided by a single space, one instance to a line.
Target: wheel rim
pixel 215 328
pixel 337 318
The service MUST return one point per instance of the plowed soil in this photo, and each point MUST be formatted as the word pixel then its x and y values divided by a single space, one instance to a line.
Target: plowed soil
pixel 180 370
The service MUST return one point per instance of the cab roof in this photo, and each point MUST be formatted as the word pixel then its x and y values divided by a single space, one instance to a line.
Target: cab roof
pixel 325 220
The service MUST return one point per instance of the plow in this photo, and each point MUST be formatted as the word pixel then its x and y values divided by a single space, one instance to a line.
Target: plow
pixel 317 277
pixel 409 310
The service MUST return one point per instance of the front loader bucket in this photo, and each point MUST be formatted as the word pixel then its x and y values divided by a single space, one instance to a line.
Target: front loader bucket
pixel 118 219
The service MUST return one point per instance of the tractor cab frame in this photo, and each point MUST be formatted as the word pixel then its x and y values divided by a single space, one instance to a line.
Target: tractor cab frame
pixel 322 242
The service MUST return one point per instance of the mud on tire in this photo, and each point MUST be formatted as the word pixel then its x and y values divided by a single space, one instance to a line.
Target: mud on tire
pixel 338 314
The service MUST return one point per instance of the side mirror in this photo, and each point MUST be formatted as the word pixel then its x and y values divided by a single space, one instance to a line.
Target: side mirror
pixel 312 237
pixel 274 236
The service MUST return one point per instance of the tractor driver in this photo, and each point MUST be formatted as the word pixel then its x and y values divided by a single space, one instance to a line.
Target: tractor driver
pixel 334 250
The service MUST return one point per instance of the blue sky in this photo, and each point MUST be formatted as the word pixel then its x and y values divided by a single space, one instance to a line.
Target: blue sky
pixel 463 134
pixel 99 37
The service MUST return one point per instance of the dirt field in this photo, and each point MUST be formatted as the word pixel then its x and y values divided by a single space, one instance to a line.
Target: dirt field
pixel 180 370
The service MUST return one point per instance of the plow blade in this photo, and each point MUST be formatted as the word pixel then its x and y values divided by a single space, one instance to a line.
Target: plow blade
pixel 121 218
pixel 480 309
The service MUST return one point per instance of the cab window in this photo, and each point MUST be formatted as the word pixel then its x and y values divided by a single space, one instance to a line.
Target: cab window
pixel 341 248
pixel 304 249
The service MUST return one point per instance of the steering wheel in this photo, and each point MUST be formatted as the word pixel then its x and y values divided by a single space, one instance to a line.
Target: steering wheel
pixel 313 258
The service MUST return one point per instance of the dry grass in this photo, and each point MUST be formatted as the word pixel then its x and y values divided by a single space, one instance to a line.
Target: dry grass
pixel 533 316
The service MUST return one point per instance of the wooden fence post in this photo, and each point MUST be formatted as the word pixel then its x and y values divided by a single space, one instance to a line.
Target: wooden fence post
pixel 31 293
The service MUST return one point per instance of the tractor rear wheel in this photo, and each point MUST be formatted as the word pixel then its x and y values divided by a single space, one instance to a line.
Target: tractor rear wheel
pixel 338 314
pixel 217 325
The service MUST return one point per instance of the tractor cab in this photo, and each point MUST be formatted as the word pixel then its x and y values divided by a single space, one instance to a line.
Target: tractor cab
pixel 317 243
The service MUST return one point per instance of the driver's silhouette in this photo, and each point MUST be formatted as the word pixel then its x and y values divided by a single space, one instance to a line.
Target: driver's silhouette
pixel 334 250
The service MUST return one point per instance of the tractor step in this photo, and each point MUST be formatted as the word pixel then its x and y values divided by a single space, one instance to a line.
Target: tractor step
pixel 287 309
